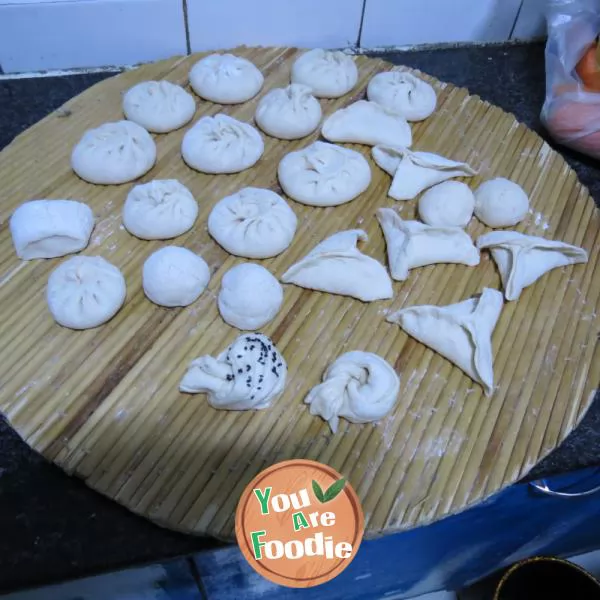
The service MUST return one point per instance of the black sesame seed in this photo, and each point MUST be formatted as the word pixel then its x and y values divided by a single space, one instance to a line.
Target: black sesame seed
pixel 240 371
pixel 248 367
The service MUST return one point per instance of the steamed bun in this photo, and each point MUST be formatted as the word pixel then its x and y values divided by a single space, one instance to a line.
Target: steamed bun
pixel 84 292
pixel 330 74
pixel 159 106
pixel 221 144
pixel 500 203
pixel 289 113
pixel 114 153
pixel 225 79
pixel 253 223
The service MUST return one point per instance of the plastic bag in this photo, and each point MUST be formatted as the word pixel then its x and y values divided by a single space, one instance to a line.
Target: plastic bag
pixel 571 111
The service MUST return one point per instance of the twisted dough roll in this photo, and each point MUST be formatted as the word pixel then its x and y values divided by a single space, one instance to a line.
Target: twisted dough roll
pixel 359 386
pixel 248 375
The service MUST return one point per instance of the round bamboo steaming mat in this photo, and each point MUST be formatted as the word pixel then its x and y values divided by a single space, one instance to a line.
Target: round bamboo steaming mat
pixel 104 404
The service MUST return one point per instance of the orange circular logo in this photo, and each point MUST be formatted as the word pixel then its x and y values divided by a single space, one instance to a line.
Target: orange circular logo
pixel 299 523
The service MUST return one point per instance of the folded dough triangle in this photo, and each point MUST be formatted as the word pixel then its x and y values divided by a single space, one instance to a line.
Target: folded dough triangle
pixel 338 267
pixel 523 259
pixel 414 172
pixel 460 332
pixel 411 244
pixel 367 123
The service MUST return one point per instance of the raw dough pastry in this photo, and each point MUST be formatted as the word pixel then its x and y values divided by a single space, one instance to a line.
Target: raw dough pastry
pixel 447 204
pixel 324 174
pixel 250 296
pixel 500 203
pixel 248 375
pixel 359 386
pixel 225 79
pixel 460 332
pixel 330 74
pixel 114 153
pixel 403 93
pixel 159 210
pixel 174 276
pixel 84 292
pixel 221 144
pixel 337 266
pixel 414 172
pixel 367 123
pixel 411 244
pixel 51 228
pixel 253 223
pixel 523 259
pixel 159 106
pixel 288 113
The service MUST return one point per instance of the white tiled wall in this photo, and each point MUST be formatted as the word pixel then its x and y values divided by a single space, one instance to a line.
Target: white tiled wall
pixel 305 23
pixel 62 34
pixel 88 33
pixel 407 22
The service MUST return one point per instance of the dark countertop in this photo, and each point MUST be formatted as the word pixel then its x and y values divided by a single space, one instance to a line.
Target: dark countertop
pixel 52 526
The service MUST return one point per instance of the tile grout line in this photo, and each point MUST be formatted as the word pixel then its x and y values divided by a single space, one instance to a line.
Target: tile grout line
pixel 197 577
pixel 514 25
pixel 186 24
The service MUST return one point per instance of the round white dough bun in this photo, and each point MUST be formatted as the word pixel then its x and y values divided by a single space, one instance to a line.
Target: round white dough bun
pixel 114 153
pixel 159 210
pixel 225 79
pixel 51 228
pixel 221 144
pixel 500 203
pixel 448 204
pixel 403 93
pixel 158 106
pixel 85 291
pixel 174 276
pixel 250 297
pixel 324 174
pixel 253 223
pixel 289 113
pixel 329 73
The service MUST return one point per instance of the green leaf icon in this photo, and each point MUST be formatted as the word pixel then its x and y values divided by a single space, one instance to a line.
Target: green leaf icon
pixel 334 489
pixel 318 491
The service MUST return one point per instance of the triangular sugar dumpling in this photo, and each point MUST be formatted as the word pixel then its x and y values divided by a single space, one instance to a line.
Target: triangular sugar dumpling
pixel 337 266
pixel 367 123
pixel 460 332
pixel 414 172
pixel 523 259
pixel 411 244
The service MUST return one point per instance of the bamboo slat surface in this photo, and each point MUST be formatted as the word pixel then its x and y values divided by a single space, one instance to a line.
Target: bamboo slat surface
pixel 104 405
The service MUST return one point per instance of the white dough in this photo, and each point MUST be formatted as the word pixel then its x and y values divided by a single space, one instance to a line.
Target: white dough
pixel 359 386
pixel 174 276
pixel 288 113
pixel 403 93
pixel 447 204
pixel 159 210
pixel 249 375
pixel 324 174
pixel 523 259
pixel 330 74
pixel 367 123
pixel 460 332
pixel 84 292
pixel 114 153
pixel 337 266
pixel 253 223
pixel 225 79
pixel 250 296
pixel 411 244
pixel 159 106
pixel 414 172
pixel 221 144
pixel 51 228
pixel 500 203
